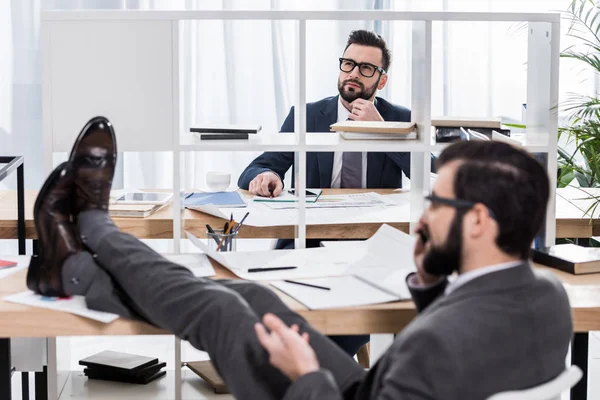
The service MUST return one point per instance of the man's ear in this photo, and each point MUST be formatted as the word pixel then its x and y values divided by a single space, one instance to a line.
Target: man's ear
pixel 382 81
pixel 478 220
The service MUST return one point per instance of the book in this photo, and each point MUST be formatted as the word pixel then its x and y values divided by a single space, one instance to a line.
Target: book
pixel 142 380
pixel 450 134
pixel 569 258
pixel 218 199
pixel 226 128
pixel 101 370
pixel 118 362
pixel 391 127
pixel 133 210
pixel 378 136
pixel 223 136
pixel 466 122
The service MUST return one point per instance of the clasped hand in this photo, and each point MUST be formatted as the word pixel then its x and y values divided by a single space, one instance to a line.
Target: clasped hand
pixel 289 351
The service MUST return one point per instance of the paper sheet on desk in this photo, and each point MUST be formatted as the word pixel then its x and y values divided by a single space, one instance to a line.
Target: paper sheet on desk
pixel 354 200
pixel 345 291
pixel 310 263
pixel 74 305
pixel 262 215
pixel 22 263
pixel 199 264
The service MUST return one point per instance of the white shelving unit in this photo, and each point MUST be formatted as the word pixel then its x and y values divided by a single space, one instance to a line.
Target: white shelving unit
pixel 75 57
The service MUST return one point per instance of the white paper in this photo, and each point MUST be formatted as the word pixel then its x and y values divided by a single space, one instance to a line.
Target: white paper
pixel 389 260
pixel 354 200
pixel 346 291
pixel 262 214
pixel 22 263
pixel 314 262
pixel 199 264
pixel 74 305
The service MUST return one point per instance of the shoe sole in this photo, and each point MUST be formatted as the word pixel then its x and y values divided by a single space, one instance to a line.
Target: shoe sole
pixel 84 131
pixel 36 262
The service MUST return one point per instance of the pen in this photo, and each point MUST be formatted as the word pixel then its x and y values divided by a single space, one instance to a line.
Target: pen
pixel 211 231
pixel 307 284
pixel 269 269
pixel 237 228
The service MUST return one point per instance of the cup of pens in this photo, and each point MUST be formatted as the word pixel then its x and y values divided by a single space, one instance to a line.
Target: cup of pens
pixel 219 240
pixel 224 239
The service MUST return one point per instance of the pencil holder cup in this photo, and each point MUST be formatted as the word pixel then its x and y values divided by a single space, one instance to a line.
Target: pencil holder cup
pixel 219 241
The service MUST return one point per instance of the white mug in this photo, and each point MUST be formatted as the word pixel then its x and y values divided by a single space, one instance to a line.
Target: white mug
pixel 218 181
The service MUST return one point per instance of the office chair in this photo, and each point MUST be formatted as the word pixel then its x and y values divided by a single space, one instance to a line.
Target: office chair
pixel 551 390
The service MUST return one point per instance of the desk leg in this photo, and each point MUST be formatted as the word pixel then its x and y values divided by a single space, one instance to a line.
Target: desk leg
pixel 41 384
pixel 25 385
pixel 579 357
pixel 5 370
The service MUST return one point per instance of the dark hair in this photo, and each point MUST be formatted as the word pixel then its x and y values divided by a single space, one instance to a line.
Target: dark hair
pixel 509 181
pixel 364 37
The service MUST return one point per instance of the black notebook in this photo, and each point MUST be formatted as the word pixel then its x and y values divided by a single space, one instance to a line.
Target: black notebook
pixel 118 362
pixel 569 258
pixel 109 371
pixel 142 380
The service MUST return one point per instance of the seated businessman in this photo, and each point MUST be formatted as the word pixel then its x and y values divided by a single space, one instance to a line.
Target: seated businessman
pixel 363 71
pixel 501 325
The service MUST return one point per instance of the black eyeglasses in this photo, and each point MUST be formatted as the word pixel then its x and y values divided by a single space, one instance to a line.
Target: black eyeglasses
pixel 456 203
pixel 367 70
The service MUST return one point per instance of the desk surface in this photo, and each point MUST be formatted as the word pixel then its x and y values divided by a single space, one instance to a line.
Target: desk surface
pixel 24 321
pixel 570 220
pixel 160 224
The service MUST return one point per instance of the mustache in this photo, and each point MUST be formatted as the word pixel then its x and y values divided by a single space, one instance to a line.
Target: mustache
pixel 353 81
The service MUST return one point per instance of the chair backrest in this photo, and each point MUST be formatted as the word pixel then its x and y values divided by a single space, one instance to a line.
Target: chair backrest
pixel 546 391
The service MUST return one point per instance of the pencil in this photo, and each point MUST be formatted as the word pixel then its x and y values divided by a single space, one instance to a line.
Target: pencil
pixel 307 284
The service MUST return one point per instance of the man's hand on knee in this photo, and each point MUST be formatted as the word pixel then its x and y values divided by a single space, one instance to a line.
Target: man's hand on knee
pixel 289 351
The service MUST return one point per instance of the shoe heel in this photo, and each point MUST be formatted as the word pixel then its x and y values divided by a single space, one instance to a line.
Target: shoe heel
pixel 33 273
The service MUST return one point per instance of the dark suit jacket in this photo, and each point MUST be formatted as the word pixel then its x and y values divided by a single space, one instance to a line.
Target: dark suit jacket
pixel 383 169
pixel 507 330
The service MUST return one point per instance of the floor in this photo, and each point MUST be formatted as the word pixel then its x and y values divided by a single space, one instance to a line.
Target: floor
pixel 75 386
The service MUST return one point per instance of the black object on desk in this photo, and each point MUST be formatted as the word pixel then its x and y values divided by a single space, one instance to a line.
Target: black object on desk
pixel 270 269
pixel 307 284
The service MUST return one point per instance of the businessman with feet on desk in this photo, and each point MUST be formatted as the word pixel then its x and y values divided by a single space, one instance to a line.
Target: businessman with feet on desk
pixel 500 325
pixel 363 71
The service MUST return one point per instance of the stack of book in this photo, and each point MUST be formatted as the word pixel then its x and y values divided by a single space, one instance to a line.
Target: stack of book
pixel 224 132
pixel 375 130
pixel 449 129
pixel 133 210
pixel 569 257
pixel 123 367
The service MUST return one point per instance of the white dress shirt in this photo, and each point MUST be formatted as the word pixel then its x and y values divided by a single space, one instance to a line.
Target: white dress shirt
pixel 336 172
pixel 476 273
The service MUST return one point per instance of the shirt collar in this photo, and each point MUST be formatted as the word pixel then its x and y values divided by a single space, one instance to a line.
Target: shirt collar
pixel 476 273
pixel 343 113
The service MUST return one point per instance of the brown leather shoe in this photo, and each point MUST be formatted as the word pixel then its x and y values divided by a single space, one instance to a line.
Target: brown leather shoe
pixel 93 158
pixel 56 233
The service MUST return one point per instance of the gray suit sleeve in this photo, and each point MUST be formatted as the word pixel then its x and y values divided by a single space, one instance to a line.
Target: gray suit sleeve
pixel 318 385
pixel 423 297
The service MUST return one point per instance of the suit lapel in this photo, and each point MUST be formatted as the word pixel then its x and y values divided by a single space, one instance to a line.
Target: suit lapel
pixel 327 115
pixel 375 161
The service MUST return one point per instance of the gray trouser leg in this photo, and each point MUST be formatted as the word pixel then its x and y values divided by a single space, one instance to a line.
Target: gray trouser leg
pixel 216 317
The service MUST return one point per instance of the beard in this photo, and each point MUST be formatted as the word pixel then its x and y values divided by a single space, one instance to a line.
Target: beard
pixel 446 259
pixel 352 94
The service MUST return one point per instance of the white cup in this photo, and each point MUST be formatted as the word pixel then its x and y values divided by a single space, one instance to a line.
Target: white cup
pixel 218 181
